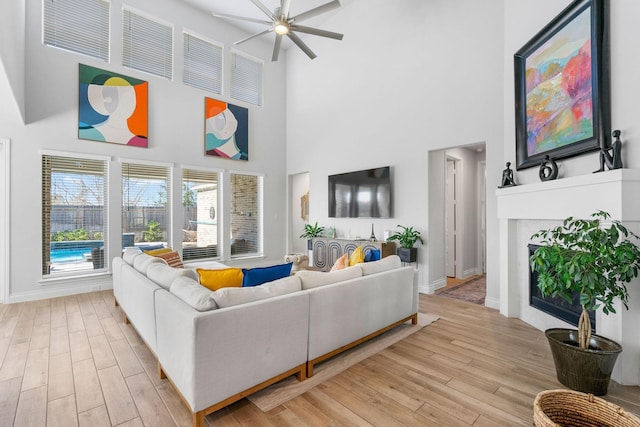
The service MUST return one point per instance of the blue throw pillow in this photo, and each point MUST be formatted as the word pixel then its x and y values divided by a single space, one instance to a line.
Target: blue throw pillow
pixel 372 255
pixel 259 275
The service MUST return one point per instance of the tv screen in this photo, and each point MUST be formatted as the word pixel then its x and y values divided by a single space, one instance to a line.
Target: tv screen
pixel 361 194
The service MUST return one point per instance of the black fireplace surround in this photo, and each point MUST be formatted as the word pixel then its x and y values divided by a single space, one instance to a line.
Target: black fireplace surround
pixel 558 306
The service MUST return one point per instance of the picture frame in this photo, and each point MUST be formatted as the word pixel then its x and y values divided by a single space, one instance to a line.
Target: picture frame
pixel 562 94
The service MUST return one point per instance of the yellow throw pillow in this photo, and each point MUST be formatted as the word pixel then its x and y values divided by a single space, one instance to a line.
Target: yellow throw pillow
pixel 341 263
pixel 357 256
pixel 224 278
pixel 154 252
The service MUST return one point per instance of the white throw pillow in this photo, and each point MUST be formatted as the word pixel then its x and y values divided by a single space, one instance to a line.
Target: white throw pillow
pixel 164 275
pixel 313 279
pixel 386 263
pixel 143 261
pixel 228 297
pixel 193 293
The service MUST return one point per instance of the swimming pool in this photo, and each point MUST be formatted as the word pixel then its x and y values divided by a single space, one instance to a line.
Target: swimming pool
pixel 70 255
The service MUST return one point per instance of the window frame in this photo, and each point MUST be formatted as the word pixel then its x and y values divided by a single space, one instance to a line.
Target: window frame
pixel 260 210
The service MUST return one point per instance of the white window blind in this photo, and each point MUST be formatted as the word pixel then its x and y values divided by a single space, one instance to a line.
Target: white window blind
pixel 200 197
pixel 147 45
pixel 74 214
pixel 202 64
pixel 246 215
pixel 77 26
pixel 146 214
pixel 246 79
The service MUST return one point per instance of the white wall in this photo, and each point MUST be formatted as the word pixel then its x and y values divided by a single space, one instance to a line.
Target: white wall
pixel 176 115
pixel 409 77
pixel 12 56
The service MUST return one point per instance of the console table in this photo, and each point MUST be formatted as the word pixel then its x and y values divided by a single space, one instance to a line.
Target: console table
pixel 326 251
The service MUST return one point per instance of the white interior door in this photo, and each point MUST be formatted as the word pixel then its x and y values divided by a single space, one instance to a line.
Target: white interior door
pixel 4 220
pixel 450 218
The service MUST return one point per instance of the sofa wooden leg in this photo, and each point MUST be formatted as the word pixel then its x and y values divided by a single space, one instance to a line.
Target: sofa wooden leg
pixel 301 375
pixel 309 369
pixel 198 419
pixel 125 319
pixel 161 373
pixel 414 319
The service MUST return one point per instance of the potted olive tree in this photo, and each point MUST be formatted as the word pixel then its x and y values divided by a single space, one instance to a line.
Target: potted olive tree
pixel 592 258
pixel 407 238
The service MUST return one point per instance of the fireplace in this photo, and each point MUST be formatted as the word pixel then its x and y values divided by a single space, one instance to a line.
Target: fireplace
pixel 557 307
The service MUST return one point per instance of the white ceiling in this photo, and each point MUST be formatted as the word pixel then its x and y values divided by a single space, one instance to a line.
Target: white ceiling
pixel 246 8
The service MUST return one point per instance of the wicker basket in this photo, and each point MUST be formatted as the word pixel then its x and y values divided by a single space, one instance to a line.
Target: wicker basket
pixel 567 408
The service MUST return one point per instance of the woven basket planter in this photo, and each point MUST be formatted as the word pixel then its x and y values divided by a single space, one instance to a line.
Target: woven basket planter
pixel 568 408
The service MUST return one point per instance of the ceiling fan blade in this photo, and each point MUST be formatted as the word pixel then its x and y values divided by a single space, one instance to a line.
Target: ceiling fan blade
pixel 316 11
pixel 255 35
pixel 294 38
pixel 264 8
pixel 243 18
pixel 317 32
pixel 276 47
pixel 284 8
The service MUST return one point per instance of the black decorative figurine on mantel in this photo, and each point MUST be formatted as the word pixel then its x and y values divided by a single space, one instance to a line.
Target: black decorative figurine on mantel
pixel 507 177
pixel 548 169
pixel 611 156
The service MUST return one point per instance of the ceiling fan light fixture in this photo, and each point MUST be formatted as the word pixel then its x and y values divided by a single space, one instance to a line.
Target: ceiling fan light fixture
pixel 281 28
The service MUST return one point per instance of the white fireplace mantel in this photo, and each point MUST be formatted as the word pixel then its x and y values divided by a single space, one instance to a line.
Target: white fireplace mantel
pixel 616 192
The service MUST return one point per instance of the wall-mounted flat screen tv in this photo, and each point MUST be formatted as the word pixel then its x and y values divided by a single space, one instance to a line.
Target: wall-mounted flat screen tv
pixel 361 194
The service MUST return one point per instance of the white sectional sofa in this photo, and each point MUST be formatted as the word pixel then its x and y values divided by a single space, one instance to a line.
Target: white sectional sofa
pixel 218 347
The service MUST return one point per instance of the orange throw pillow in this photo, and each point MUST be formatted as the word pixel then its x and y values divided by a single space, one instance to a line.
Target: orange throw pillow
pixel 341 263
pixel 172 258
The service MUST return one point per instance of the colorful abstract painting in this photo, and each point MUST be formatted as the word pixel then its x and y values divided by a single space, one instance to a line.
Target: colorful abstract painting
pixel 558 86
pixel 226 130
pixel 562 94
pixel 112 107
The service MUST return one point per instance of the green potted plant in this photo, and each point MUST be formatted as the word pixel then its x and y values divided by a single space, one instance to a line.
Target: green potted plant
pixel 407 238
pixel 593 259
pixel 310 232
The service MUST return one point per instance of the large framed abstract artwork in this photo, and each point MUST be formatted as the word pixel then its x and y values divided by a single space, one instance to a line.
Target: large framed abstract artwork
pixel 112 107
pixel 562 100
pixel 226 130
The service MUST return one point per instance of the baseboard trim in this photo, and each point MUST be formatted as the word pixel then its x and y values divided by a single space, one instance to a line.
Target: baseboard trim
pixel 58 292
pixel 433 286
pixel 492 303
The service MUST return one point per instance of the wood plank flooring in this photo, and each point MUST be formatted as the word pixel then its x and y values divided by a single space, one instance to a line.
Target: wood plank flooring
pixel 72 362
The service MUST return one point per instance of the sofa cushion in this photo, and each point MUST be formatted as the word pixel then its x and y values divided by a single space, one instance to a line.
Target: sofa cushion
pixel 228 297
pixel 313 279
pixel 220 278
pixel 191 292
pixel 143 261
pixel 172 258
pixel 259 275
pixel 386 263
pixel 130 254
pixel 341 263
pixel 357 256
pixel 164 275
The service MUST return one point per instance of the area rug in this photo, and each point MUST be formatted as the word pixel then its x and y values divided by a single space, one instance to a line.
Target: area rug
pixel 287 389
pixel 473 291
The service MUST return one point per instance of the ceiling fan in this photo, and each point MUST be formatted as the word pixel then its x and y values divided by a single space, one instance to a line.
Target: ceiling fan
pixel 284 25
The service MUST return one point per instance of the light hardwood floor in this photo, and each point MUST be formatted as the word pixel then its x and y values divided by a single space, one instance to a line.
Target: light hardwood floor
pixel 73 362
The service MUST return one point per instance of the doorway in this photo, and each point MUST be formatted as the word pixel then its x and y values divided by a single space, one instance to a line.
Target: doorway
pixel 4 220
pixel 450 216
pixel 299 211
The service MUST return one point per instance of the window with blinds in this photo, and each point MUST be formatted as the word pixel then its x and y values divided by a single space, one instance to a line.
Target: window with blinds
pixel 74 214
pixel 246 214
pixel 77 26
pixel 147 44
pixel 200 197
pixel 146 212
pixel 246 79
pixel 202 64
